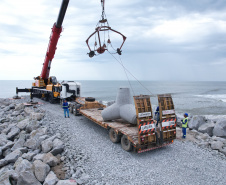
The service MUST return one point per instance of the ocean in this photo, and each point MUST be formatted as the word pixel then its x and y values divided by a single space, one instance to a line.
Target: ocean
pixel 195 98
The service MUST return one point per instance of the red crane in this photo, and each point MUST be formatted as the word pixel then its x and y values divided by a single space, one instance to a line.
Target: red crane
pixel 55 35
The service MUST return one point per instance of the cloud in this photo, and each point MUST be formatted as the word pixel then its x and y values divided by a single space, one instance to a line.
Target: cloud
pixel 164 38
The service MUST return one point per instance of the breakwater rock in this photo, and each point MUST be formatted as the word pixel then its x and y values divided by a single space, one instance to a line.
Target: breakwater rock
pixel 207 133
pixel 29 153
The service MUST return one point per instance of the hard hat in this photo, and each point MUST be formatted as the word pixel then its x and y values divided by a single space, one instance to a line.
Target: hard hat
pixel 186 114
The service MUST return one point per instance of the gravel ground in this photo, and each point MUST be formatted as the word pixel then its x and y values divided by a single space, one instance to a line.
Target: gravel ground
pixel 107 163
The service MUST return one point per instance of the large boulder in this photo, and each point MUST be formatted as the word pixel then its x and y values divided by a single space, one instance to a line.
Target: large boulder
pixel 223 150
pixel 3 139
pixel 58 147
pixel 28 111
pixel 29 156
pixel 22 124
pixel 22 165
pixel 33 125
pixel 50 159
pixel 8 145
pixel 32 143
pixel 47 145
pixel 3 126
pixel 36 116
pixel 220 129
pixel 51 179
pixel 19 107
pixel 13 156
pixel 39 132
pixel 20 142
pixel 3 120
pixel 216 145
pixel 39 157
pixel 8 177
pixel 15 113
pixel 41 170
pixel 3 162
pixel 207 128
pixel 196 122
pixel 27 178
pixel 14 131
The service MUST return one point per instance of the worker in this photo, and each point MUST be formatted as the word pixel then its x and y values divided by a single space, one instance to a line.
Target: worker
pixel 65 107
pixel 157 115
pixel 184 125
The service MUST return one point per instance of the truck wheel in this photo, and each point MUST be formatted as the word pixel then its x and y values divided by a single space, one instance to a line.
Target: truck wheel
pixel 90 99
pixel 114 137
pixel 51 98
pixel 126 144
pixel 75 111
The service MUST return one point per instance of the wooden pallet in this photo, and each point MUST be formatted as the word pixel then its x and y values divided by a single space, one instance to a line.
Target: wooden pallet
pixel 145 122
pixel 166 106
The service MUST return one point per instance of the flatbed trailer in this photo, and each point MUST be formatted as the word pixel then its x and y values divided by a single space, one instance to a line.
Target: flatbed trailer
pixel 145 135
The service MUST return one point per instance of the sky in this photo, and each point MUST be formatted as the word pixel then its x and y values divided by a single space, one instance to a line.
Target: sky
pixel 167 40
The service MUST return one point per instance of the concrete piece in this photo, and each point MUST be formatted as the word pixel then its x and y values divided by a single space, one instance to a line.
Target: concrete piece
pixel 122 108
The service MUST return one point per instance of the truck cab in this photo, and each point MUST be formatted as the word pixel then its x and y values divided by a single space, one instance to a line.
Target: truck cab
pixel 70 90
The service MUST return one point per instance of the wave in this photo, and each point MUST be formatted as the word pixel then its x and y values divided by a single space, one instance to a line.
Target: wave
pixel 219 97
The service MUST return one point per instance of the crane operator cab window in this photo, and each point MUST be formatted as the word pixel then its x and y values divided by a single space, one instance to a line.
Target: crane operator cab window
pixel 53 80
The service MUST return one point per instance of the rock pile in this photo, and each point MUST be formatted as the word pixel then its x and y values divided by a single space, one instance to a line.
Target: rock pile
pixel 29 154
pixel 208 133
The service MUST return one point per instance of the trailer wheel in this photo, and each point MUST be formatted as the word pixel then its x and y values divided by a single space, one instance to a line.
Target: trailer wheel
pixel 91 99
pixel 114 137
pixel 126 144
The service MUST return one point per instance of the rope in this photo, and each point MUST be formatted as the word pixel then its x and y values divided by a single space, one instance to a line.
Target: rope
pixel 127 76
pixel 131 74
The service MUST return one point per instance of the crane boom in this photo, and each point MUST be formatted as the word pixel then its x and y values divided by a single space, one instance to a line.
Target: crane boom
pixel 55 35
